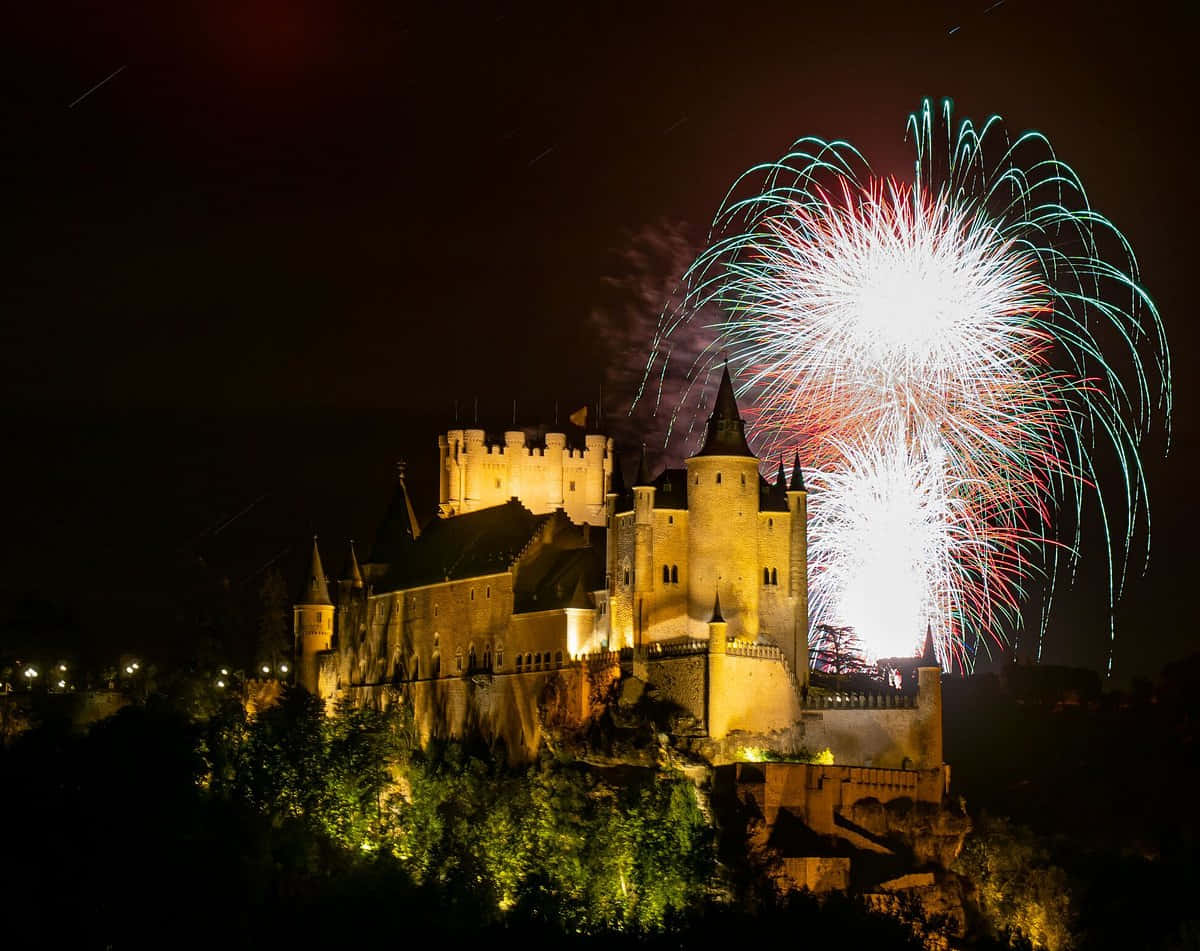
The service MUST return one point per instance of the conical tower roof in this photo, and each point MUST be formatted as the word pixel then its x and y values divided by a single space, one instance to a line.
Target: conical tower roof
pixel 928 655
pixel 617 485
pixel 316 588
pixel 643 471
pixel 399 528
pixel 716 615
pixel 351 571
pixel 797 484
pixel 726 435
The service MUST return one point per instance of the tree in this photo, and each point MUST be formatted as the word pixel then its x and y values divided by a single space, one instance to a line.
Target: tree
pixel 274 643
pixel 837 650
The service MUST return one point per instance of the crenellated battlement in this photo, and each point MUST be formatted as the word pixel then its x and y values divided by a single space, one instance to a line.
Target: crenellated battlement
pixel 476 473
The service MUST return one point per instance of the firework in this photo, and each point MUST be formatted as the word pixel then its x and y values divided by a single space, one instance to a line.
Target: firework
pixel 951 356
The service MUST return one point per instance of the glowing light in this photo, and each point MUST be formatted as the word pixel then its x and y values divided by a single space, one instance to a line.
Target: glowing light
pixel 951 357
pixel 266 669
pixel 283 668
pixel 224 672
pixel 62 667
pixel 220 683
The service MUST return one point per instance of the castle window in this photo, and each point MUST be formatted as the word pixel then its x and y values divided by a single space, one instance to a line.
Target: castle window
pixel 674 574
pixel 766 576
pixel 436 668
pixel 718 478
pixel 666 575
pixel 627 577
pixel 500 656
pixel 487 591
pixel 520 662
pixel 458 660
pixel 435 610
pixel 572 489
pixel 528 659
pixel 416 669
pixel 487 658
pixel 471 661
pixel 770 523
pixel 743 478
pixel 774 576
pixel 497 483
pixel 670 519
pixel 697 480
pixel 558 658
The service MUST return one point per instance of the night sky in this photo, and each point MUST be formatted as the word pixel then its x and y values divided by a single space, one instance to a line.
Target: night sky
pixel 261 262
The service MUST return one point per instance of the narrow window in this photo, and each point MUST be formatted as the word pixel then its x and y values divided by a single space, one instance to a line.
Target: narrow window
pixel 766 576
pixel 500 657
pixel 627 577
pixel 520 662
pixel 458 661
pixel 572 489
pixel 666 575
pixel 472 594
pixel 774 576
pixel 471 659
pixel 718 478
pixel 416 669
pixel 528 659
pixel 487 592
pixel 670 519
pixel 770 523
pixel 697 480
pixel 743 478
pixel 674 574
pixel 497 483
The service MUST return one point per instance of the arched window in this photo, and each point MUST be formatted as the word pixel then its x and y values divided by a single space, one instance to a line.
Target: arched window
pixel 697 479
pixel 472 594
pixel 499 656
pixel 770 523
pixel 718 478
pixel 471 662
pixel 743 478
pixel 774 576
pixel 436 668
pixel 520 662
pixel 528 659
pixel 487 658
pixel 766 576
pixel 666 575
pixel 674 574
pixel 487 592
pixel 458 659
pixel 626 577
pixel 670 519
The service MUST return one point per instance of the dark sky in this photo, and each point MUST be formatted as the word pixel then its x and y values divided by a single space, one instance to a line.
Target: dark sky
pixel 264 258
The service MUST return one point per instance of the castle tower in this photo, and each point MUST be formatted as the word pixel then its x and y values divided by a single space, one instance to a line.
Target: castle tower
pixel 722 500
pixel 643 552
pixel 351 602
pixel 313 623
pixel 797 503
pixel 717 703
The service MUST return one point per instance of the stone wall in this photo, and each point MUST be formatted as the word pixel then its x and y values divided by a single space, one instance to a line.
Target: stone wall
pixel 681 679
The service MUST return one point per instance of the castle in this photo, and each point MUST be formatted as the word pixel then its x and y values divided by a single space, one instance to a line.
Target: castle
pixel 545 579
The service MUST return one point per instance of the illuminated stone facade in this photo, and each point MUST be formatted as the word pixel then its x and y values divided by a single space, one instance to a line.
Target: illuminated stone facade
pixel 544 579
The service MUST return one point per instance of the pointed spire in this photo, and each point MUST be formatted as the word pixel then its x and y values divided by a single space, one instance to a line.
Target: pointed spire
pixel 716 615
pixel 579 598
pixel 928 656
pixel 617 485
pixel 781 476
pixel 726 434
pixel 413 528
pixel 643 470
pixel 316 589
pixel 399 528
pixel 797 484
pixel 351 573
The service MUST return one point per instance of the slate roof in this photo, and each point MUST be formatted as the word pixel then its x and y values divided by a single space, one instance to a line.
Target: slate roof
pixel 316 588
pixel 671 489
pixel 726 435
pixel 560 574
pixel 465 546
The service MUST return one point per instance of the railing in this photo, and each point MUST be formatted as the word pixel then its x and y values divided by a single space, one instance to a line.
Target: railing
pixel 678 649
pixel 765 651
pixel 859 700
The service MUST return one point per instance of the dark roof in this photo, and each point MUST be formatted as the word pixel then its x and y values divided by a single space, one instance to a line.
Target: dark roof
pixel 617 485
pixel 726 435
pixel 716 615
pixel 928 657
pixel 398 530
pixel 797 484
pixel 465 546
pixel 351 572
pixel 643 471
pixel 671 489
pixel 316 588
pixel 560 572
pixel 771 498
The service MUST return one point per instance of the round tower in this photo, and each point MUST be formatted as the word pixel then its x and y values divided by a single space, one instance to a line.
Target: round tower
pixel 643 553
pixel 556 445
pixel 717 706
pixel 722 499
pixel 313 624
pixel 797 500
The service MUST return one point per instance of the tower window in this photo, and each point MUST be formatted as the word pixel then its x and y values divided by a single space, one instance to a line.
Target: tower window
pixel 670 519
pixel 627 577
pixel 572 484
pixel 743 478
pixel 774 576
pixel 487 591
pixel 766 576
pixel 770 523
pixel 718 478
pixel 497 483
pixel 472 594
pixel 674 574
pixel 666 575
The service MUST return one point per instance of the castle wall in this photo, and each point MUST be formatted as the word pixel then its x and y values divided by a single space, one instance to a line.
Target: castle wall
pixel 909 737
pixel 474 475
pixel 758 694
pixel 777 607
pixel 621 619
pixel 723 543
pixel 670 618
pixel 509 708
pixel 681 680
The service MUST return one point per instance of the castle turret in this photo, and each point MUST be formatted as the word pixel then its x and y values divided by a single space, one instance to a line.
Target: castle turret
pixel 797 503
pixel 722 499
pixel 717 703
pixel 313 622
pixel 643 552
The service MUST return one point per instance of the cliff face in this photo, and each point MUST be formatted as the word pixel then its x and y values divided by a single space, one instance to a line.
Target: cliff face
pixel 933 833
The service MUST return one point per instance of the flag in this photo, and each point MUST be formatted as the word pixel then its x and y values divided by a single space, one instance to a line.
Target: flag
pixel 579 417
